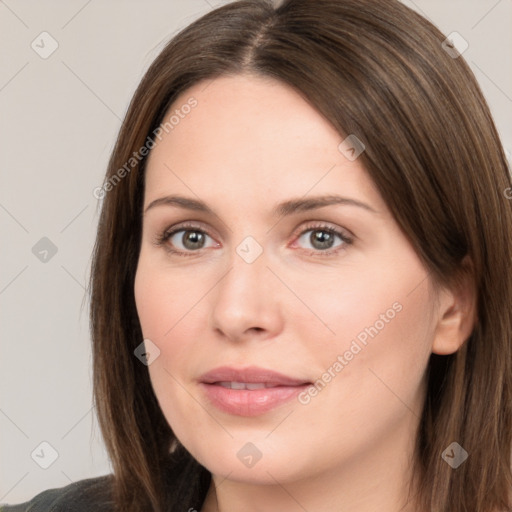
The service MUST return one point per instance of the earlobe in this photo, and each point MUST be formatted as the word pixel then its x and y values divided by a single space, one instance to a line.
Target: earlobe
pixel 457 313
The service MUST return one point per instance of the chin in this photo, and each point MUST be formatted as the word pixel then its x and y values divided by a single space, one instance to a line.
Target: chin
pixel 256 462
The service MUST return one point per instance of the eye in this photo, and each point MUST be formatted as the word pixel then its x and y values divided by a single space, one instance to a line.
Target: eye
pixel 321 239
pixel 187 238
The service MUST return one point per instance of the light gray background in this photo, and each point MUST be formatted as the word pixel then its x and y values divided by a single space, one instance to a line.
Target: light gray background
pixel 59 119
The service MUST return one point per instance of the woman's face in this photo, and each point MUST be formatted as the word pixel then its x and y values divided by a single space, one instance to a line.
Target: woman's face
pixel 333 296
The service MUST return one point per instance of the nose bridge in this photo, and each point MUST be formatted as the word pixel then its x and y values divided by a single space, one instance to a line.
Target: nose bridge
pixel 243 300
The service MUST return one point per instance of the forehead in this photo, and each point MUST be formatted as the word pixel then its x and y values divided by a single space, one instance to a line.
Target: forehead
pixel 251 136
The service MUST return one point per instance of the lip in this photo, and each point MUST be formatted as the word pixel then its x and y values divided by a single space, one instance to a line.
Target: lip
pixel 242 402
pixel 249 374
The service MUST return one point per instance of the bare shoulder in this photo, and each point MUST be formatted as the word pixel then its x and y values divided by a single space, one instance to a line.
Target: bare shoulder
pixel 80 496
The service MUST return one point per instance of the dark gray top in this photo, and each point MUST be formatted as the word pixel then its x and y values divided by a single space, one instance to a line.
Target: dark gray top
pixel 90 494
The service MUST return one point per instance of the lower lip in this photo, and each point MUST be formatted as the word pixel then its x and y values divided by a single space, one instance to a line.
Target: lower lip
pixel 245 402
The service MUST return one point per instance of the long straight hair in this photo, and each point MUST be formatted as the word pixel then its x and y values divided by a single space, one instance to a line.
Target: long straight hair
pixel 378 70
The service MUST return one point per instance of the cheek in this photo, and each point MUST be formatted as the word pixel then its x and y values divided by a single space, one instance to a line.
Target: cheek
pixel 387 340
pixel 165 309
pixel 374 363
pixel 164 298
pixel 171 313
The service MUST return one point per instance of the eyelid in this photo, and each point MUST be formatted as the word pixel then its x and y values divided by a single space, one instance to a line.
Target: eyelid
pixel 345 235
pixel 163 236
pixel 322 224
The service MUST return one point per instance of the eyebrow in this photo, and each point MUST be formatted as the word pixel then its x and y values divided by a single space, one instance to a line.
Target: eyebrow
pixel 282 209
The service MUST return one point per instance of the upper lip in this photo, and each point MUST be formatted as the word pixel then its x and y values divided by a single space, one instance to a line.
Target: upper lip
pixel 250 374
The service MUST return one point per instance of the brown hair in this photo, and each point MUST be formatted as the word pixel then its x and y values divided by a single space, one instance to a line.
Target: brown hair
pixel 376 69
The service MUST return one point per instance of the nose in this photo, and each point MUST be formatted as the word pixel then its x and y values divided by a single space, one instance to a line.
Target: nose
pixel 246 303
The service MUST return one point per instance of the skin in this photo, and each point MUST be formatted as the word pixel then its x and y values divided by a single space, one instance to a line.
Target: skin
pixel 249 144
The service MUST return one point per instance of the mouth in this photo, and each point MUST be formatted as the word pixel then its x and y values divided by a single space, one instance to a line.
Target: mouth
pixel 249 391
pixel 248 376
pixel 245 385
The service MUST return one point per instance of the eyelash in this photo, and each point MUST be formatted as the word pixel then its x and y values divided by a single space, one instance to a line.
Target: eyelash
pixel 162 238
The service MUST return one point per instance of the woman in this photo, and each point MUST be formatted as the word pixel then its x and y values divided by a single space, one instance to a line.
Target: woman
pixel 300 293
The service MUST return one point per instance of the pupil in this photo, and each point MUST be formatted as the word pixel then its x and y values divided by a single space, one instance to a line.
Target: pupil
pixel 321 239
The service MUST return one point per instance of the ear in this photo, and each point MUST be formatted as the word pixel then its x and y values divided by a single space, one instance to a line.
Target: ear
pixel 457 314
